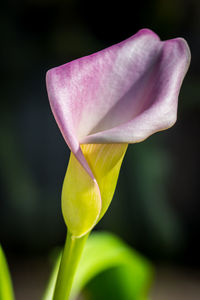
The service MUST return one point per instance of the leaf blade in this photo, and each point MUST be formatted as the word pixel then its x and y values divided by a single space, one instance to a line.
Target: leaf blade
pixel 6 289
pixel 103 252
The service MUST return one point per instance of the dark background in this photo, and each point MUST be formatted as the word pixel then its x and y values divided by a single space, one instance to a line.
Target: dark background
pixel 156 207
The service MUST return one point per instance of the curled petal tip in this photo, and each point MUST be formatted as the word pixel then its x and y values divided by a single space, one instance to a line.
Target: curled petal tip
pixel 148 31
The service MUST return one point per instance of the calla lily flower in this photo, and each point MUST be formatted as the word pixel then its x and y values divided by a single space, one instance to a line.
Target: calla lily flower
pixel 104 101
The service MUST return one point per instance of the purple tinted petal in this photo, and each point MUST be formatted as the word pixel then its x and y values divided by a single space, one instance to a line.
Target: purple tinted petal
pixel 159 98
pixel 121 94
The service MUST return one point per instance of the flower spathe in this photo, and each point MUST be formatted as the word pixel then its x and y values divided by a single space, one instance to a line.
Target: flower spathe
pixel 119 95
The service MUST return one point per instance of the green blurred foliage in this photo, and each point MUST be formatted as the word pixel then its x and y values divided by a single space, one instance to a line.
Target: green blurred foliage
pixel 6 289
pixel 109 263
pixel 156 207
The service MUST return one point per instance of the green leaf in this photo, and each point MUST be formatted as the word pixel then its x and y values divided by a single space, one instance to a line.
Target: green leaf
pixel 6 290
pixel 109 263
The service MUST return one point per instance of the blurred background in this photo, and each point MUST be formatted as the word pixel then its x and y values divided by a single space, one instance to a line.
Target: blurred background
pixel 156 206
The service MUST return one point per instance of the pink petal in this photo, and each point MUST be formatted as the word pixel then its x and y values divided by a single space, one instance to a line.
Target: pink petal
pixel 121 94
pixel 157 98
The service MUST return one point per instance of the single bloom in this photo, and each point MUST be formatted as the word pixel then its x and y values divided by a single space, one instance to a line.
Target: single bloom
pixel 103 102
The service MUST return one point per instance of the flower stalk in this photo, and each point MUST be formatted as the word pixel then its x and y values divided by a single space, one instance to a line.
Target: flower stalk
pixel 70 258
pixel 103 102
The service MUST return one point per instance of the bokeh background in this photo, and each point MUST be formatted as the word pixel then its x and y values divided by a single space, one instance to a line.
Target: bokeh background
pixel 156 206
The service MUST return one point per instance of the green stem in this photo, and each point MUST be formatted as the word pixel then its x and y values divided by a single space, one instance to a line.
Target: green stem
pixel 70 258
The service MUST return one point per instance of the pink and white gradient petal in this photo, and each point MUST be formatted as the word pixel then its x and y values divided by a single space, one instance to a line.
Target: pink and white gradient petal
pixel 121 94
